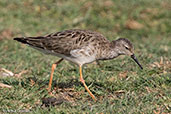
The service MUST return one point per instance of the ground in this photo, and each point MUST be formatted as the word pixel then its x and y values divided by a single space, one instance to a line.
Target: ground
pixel 119 85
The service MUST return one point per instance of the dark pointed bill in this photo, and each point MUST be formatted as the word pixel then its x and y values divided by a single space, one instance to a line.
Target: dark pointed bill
pixel 135 59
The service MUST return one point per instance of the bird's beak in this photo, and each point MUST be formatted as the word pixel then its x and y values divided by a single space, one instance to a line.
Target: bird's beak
pixel 135 59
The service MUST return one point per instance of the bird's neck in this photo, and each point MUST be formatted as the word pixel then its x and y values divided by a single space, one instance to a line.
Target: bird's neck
pixel 109 52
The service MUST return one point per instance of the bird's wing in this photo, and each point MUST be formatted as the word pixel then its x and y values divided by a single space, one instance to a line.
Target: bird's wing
pixel 62 42
pixel 85 51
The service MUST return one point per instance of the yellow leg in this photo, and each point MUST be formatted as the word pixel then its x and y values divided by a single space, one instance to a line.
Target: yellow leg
pixel 82 80
pixel 51 75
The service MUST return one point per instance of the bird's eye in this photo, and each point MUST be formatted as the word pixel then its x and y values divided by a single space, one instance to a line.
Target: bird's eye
pixel 127 48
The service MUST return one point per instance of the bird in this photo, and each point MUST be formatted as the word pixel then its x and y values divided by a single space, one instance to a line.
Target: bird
pixel 80 47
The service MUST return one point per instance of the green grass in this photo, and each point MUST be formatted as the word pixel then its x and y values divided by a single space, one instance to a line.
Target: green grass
pixel 140 91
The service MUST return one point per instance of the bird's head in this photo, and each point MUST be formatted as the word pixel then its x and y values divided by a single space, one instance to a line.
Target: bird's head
pixel 125 47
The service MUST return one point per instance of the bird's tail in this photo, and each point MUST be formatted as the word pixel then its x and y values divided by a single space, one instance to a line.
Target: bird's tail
pixel 31 41
pixel 22 40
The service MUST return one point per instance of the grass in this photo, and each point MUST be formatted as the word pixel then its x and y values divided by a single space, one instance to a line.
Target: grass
pixel 119 85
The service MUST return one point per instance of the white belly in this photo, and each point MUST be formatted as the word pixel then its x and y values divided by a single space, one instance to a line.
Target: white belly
pixel 79 60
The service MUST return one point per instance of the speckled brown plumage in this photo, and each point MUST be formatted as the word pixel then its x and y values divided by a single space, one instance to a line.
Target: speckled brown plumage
pixel 80 47
pixel 66 41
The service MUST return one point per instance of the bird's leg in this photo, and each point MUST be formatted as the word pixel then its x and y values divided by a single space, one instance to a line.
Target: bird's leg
pixel 52 71
pixel 83 82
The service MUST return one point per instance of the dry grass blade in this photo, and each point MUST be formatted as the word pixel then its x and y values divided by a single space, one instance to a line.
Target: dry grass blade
pixel 5 85
pixel 21 73
pixel 123 75
pixel 132 24
pixel 4 72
